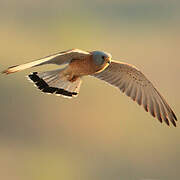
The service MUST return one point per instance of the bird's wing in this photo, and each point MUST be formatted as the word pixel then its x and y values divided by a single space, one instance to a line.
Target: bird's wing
pixel 135 85
pixel 59 58
pixel 66 56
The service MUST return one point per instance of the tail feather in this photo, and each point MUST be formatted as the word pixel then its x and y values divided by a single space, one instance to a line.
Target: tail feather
pixel 55 82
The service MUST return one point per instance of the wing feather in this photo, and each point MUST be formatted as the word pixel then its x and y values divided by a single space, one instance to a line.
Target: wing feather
pixel 139 96
pixel 66 56
pixel 133 94
pixel 135 85
pixel 59 58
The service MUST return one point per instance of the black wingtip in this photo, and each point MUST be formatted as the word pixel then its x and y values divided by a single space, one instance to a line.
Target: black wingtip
pixel 174 123
pixel 44 87
pixel 174 116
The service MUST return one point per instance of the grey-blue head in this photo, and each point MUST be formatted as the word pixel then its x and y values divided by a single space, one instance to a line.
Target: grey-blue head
pixel 101 57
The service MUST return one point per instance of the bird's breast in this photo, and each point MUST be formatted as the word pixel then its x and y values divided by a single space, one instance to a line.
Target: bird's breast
pixel 81 67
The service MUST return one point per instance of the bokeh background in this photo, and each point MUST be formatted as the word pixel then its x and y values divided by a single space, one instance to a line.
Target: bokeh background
pixel 102 134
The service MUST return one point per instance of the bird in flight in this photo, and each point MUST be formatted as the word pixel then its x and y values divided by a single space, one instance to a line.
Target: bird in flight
pixel 66 81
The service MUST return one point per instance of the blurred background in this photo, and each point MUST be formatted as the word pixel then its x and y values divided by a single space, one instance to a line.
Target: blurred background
pixel 102 134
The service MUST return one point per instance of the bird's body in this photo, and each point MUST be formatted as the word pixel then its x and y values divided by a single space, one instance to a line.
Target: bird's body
pixel 66 81
pixel 82 67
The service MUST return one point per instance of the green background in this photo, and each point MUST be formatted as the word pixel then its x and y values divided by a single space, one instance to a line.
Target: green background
pixel 102 134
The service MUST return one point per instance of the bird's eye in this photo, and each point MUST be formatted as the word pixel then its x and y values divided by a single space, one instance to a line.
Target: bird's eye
pixel 103 57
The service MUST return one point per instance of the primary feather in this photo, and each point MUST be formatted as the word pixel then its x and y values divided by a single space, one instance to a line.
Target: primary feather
pixel 135 85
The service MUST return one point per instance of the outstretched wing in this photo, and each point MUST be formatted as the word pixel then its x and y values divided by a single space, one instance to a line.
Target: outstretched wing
pixel 59 58
pixel 66 56
pixel 135 85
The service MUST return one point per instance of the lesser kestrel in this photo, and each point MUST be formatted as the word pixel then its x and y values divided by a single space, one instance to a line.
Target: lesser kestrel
pixel 66 81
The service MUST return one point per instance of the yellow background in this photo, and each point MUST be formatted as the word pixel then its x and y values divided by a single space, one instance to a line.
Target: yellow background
pixel 102 134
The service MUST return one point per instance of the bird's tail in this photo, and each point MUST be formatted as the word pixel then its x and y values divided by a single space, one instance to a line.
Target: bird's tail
pixel 55 82
pixel 21 67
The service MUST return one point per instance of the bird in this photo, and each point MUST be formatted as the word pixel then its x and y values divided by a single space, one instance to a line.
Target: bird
pixel 66 81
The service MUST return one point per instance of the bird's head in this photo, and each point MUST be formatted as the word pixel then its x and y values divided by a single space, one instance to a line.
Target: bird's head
pixel 101 58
